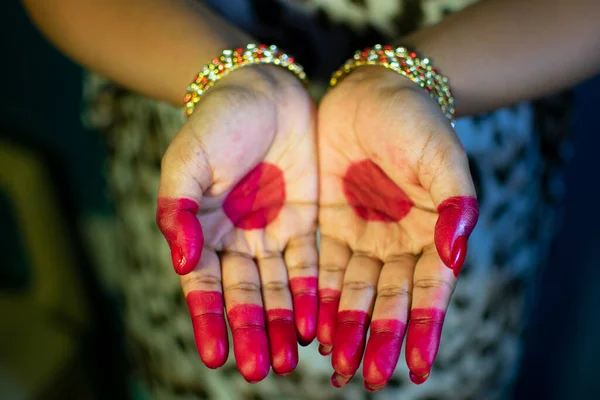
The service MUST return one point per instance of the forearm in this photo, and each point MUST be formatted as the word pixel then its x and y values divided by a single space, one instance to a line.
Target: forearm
pixel 154 47
pixel 499 52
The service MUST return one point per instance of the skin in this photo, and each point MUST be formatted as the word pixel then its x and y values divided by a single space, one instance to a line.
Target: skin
pixel 396 206
pixel 378 258
pixel 255 206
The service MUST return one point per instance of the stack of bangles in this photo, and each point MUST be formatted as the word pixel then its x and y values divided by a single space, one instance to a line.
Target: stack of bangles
pixel 399 59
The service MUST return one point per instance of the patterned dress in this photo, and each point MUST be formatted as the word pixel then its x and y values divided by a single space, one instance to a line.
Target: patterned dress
pixel 516 158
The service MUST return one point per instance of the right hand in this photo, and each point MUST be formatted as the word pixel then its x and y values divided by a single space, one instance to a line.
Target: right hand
pixel 238 206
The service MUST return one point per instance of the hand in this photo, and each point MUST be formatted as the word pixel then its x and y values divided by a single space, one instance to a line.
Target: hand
pixel 237 205
pixel 396 203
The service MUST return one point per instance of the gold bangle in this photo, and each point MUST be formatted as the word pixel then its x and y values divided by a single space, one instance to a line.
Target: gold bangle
pixel 231 60
pixel 406 63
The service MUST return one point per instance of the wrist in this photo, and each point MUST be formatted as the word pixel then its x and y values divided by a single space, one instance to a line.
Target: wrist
pixel 261 68
pixel 403 62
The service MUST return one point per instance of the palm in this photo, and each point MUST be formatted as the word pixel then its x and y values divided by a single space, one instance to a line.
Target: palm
pixel 383 148
pixel 371 198
pixel 248 158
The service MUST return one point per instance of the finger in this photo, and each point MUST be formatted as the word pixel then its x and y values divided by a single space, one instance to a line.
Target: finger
pixel 333 261
pixel 390 316
pixel 241 287
pixel 356 305
pixel 202 290
pixel 185 173
pixel 301 260
pixel 280 317
pixel 433 285
pixel 448 179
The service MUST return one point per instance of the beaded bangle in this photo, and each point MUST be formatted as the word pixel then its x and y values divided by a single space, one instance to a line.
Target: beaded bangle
pixel 406 63
pixel 231 60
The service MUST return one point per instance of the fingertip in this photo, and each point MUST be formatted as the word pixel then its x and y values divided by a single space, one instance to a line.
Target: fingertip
pixel 418 379
pixel 210 331
pixel 458 216
pixel 383 351
pixel 304 291
pixel 339 381
pixel 325 350
pixel 282 341
pixel 250 343
pixel 349 341
pixel 177 221
pixel 217 357
pixel 329 301
pixel 423 340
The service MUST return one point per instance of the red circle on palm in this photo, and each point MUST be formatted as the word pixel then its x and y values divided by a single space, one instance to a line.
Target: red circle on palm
pixel 373 195
pixel 257 199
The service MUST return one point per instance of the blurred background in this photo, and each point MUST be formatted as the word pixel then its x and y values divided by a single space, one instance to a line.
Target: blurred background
pixel 60 334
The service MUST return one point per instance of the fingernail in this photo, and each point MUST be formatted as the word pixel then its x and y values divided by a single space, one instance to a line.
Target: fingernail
pixel 374 388
pixel 178 259
pixel 418 379
pixel 325 350
pixel 339 381
pixel 459 252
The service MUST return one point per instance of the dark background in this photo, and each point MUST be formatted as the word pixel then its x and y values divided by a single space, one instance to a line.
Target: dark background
pixel 40 105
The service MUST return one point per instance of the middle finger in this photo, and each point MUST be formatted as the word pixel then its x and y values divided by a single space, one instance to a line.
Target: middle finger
pixel 356 305
pixel 241 288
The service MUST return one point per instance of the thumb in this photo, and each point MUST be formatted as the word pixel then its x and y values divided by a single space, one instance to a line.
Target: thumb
pixel 450 185
pixel 185 174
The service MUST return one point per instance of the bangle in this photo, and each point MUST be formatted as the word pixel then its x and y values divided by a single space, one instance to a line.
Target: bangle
pixel 231 60
pixel 406 63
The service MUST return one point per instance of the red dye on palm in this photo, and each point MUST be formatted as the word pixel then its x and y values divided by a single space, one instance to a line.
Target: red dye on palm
pixel 373 195
pixel 177 220
pixel 282 340
pixel 250 345
pixel 257 199
pixel 304 293
pixel 423 341
pixel 210 331
pixel 383 351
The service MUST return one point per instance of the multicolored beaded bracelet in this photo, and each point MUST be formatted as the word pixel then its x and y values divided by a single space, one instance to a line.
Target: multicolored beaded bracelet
pixel 406 63
pixel 231 60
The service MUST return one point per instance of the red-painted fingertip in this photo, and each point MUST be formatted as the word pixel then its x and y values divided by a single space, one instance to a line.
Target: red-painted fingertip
pixel 304 292
pixel 418 379
pixel 457 219
pixel 349 341
pixel 282 341
pixel 177 220
pixel 339 381
pixel 250 344
pixel 210 331
pixel 423 340
pixel 329 301
pixel 383 351
pixel 325 350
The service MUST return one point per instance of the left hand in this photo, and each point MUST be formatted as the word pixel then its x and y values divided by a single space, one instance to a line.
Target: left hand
pixel 397 205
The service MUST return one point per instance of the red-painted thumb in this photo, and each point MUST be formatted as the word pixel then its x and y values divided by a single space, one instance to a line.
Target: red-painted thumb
pixel 457 218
